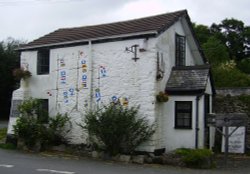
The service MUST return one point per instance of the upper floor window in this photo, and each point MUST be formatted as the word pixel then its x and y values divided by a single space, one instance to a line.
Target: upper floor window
pixel 183 114
pixel 180 50
pixel 43 61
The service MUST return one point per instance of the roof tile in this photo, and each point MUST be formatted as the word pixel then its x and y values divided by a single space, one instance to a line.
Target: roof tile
pixel 156 23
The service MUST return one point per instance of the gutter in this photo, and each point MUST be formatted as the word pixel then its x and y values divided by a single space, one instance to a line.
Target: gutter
pixel 90 79
pixel 197 121
pixel 152 32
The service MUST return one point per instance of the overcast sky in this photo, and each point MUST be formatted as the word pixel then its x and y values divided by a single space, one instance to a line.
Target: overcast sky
pixel 31 19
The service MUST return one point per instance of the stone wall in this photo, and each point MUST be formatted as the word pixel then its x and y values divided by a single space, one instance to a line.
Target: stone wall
pixel 233 91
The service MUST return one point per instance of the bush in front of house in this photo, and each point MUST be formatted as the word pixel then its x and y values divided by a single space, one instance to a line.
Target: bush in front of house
pixel 117 129
pixel 196 158
pixel 33 131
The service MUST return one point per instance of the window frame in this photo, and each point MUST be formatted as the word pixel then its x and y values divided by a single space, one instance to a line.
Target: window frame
pixel 43 61
pixel 180 50
pixel 186 111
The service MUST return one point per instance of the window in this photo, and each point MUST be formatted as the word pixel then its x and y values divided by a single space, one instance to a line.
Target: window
pixel 43 62
pixel 43 111
pixel 183 114
pixel 180 50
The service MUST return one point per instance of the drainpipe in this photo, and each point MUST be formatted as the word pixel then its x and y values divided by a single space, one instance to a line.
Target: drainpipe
pixel 90 79
pixel 197 121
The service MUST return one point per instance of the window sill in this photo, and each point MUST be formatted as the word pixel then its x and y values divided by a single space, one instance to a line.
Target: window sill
pixel 183 128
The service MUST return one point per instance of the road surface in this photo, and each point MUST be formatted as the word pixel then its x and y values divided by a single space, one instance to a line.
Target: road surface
pixel 15 162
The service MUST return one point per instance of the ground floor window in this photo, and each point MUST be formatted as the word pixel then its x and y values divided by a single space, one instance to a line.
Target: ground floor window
pixel 43 110
pixel 183 114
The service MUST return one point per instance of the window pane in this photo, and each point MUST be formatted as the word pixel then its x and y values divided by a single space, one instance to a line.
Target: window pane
pixel 43 62
pixel 183 114
pixel 180 52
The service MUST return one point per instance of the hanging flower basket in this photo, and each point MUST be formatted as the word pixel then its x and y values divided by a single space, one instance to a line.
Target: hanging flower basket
pixel 20 73
pixel 162 97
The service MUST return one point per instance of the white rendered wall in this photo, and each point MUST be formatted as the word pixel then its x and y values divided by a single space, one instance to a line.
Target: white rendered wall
pixel 112 72
pixel 167 136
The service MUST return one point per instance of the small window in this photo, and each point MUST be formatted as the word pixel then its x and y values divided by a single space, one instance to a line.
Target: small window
pixel 183 114
pixel 43 111
pixel 180 50
pixel 43 62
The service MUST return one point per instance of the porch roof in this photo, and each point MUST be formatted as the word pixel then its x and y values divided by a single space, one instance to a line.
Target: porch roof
pixel 188 79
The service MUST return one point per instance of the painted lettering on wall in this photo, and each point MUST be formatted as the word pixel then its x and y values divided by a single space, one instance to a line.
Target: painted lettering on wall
pixel 63 76
pixel 121 100
pixel 97 95
pixel 84 68
pixel 65 97
pixel 62 62
pixel 71 91
pixel 103 71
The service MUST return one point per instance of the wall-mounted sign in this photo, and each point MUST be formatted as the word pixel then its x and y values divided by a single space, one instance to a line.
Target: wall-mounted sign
pixel 236 142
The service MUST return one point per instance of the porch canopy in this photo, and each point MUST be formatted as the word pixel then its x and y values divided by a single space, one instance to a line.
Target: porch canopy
pixel 188 80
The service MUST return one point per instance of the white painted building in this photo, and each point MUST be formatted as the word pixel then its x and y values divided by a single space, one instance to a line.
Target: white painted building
pixel 77 69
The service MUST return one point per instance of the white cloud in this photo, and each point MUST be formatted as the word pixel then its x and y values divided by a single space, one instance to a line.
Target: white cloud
pixel 30 19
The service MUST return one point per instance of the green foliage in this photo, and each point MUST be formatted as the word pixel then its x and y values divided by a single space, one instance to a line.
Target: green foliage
pixel 29 130
pixel 8 146
pixel 56 130
pixel 196 158
pixel 162 97
pixel 3 133
pixel 118 129
pixel 32 130
pixel 33 108
pixel 9 60
pixel 246 100
pixel 227 75
pixel 215 51
pixel 244 65
pixel 202 32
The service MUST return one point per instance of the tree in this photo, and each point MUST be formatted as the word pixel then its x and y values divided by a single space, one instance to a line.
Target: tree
pixel 215 51
pixel 9 60
pixel 202 32
pixel 235 35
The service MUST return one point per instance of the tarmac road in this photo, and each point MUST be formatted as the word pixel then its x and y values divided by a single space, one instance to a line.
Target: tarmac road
pixel 15 162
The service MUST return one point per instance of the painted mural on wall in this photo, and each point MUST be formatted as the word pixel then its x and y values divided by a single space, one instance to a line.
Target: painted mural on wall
pixel 102 71
pixel 120 100
pixel 84 68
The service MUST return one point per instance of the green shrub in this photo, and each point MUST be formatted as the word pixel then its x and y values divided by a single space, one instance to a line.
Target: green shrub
pixel 117 129
pixel 3 133
pixel 56 130
pixel 31 128
pixel 8 146
pixel 244 65
pixel 196 158
pixel 226 75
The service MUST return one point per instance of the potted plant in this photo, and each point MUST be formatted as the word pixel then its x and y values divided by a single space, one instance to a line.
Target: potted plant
pixel 162 97
pixel 20 73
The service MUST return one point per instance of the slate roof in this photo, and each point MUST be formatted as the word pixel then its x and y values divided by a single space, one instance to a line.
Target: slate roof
pixel 148 25
pixel 188 79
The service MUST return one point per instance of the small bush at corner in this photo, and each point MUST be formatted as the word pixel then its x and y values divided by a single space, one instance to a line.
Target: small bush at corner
pixel 196 158
pixel 117 129
pixel 35 128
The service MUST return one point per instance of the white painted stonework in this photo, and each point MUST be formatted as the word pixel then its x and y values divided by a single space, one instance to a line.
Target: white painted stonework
pixel 88 76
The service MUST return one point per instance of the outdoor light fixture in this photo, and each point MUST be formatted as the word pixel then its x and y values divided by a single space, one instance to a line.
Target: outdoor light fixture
pixel 133 49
